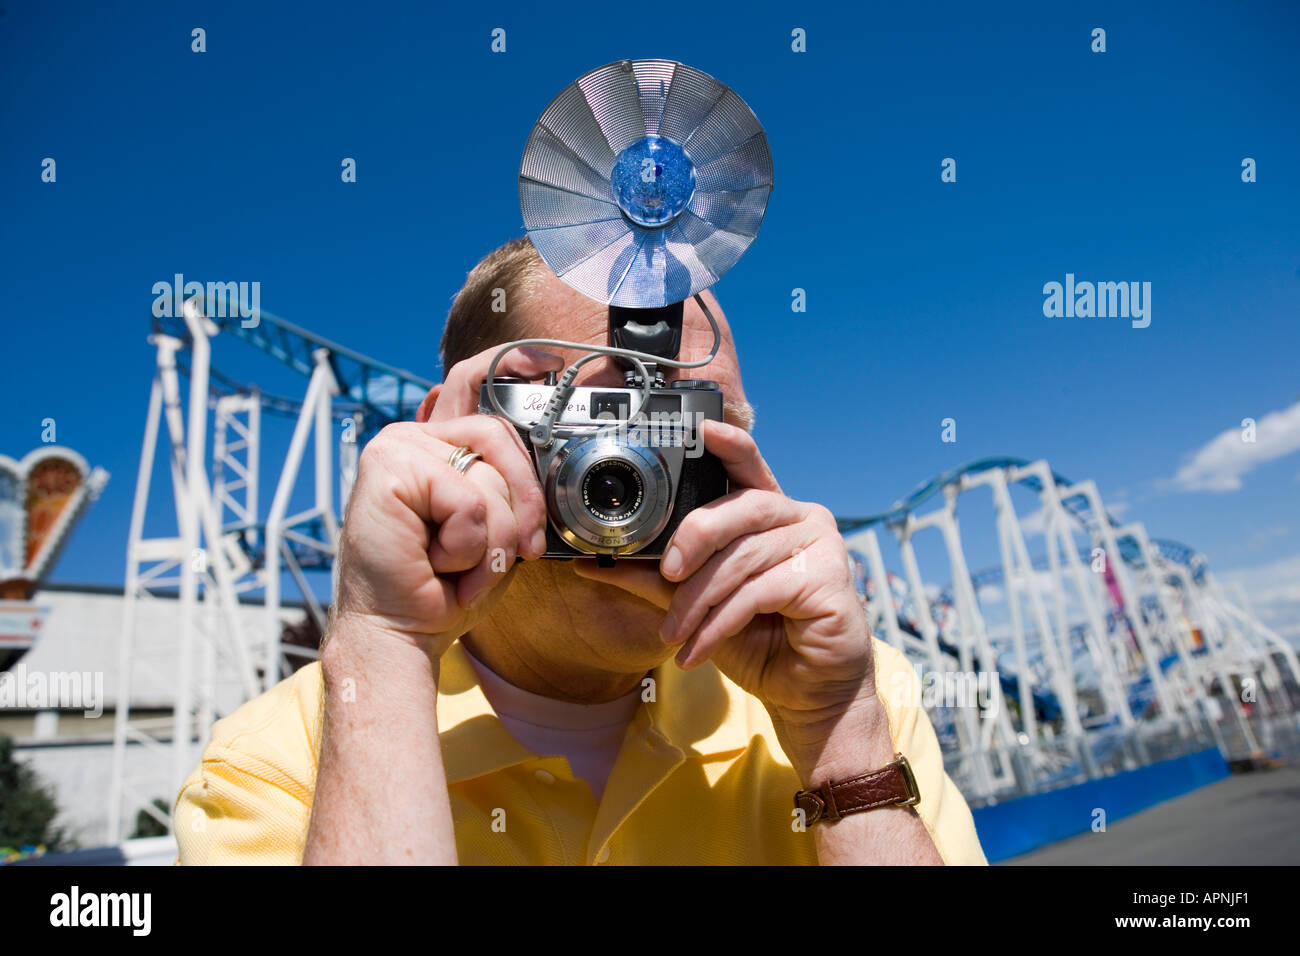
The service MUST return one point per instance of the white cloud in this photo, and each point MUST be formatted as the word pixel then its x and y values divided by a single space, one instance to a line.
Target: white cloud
pixel 1220 464
pixel 1273 593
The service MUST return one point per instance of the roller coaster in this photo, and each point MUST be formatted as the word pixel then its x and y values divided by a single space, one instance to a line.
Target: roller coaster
pixel 1106 651
pixel 1109 650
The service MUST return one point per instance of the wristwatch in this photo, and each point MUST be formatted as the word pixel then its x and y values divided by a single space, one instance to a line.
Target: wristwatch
pixel 892 786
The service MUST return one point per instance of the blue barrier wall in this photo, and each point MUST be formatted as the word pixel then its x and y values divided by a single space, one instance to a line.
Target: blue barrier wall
pixel 1026 823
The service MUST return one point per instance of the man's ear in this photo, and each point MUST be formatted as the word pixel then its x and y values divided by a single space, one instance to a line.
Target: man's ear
pixel 425 410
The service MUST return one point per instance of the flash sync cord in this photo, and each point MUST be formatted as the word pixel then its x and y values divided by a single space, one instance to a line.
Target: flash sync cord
pixel 541 432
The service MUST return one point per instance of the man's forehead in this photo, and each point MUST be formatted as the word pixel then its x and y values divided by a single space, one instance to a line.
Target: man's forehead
pixel 554 310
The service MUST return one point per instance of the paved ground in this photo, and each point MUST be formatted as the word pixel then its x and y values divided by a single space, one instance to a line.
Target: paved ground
pixel 1247 819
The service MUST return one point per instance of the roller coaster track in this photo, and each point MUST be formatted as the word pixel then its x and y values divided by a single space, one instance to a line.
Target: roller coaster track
pixel 1076 504
pixel 373 392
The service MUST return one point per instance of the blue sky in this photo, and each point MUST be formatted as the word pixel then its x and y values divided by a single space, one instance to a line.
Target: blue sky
pixel 924 298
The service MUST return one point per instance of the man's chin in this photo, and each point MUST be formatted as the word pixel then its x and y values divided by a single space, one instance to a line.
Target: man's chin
pixel 606 624
pixel 627 622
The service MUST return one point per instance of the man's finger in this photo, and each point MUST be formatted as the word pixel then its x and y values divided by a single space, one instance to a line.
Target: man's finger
pixel 769 592
pixel 459 393
pixel 739 455
pixel 727 570
pixel 712 527
pixel 641 578
pixel 497 558
pixel 489 533
pixel 501 447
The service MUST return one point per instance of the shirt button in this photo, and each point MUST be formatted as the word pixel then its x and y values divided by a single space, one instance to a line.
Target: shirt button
pixel 545 776
pixel 603 855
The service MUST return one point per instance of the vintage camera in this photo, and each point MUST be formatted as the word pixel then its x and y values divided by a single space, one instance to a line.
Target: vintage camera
pixel 641 184
pixel 615 488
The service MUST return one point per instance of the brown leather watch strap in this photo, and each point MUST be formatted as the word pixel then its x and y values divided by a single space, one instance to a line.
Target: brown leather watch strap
pixel 891 786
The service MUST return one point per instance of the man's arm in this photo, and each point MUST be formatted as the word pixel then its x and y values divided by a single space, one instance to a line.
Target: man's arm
pixel 380 701
pixel 424 548
pixel 759 583
pixel 859 743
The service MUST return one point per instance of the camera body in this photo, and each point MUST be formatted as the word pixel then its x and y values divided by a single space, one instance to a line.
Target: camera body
pixel 614 487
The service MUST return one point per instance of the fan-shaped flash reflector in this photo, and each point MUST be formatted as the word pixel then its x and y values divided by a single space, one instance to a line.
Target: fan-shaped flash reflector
pixel 643 182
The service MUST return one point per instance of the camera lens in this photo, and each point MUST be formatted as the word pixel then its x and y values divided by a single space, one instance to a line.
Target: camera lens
pixel 612 490
pixel 608 493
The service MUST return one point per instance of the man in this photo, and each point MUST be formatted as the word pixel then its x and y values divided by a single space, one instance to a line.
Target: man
pixel 475 709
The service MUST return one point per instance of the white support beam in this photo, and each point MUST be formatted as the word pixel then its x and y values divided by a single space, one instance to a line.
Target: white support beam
pixel 314 418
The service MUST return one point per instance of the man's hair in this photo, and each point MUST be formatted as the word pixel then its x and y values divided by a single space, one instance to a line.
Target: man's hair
pixel 511 272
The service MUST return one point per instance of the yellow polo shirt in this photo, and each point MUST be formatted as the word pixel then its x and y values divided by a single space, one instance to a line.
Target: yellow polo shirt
pixel 700 779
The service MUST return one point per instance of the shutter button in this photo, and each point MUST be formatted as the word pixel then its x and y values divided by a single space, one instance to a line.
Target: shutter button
pixel 545 776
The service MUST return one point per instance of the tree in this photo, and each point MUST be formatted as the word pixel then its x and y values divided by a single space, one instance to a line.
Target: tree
pixel 27 807
pixel 146 825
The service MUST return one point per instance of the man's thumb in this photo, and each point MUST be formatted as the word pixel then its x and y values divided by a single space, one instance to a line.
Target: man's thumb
pixel 641 578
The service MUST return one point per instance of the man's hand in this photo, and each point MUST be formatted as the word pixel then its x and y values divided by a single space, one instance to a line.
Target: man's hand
pixel 760 584
pixel 762 588
pixel 423 547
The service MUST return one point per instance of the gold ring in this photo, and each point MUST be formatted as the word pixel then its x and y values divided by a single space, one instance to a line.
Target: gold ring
pixel 461 458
